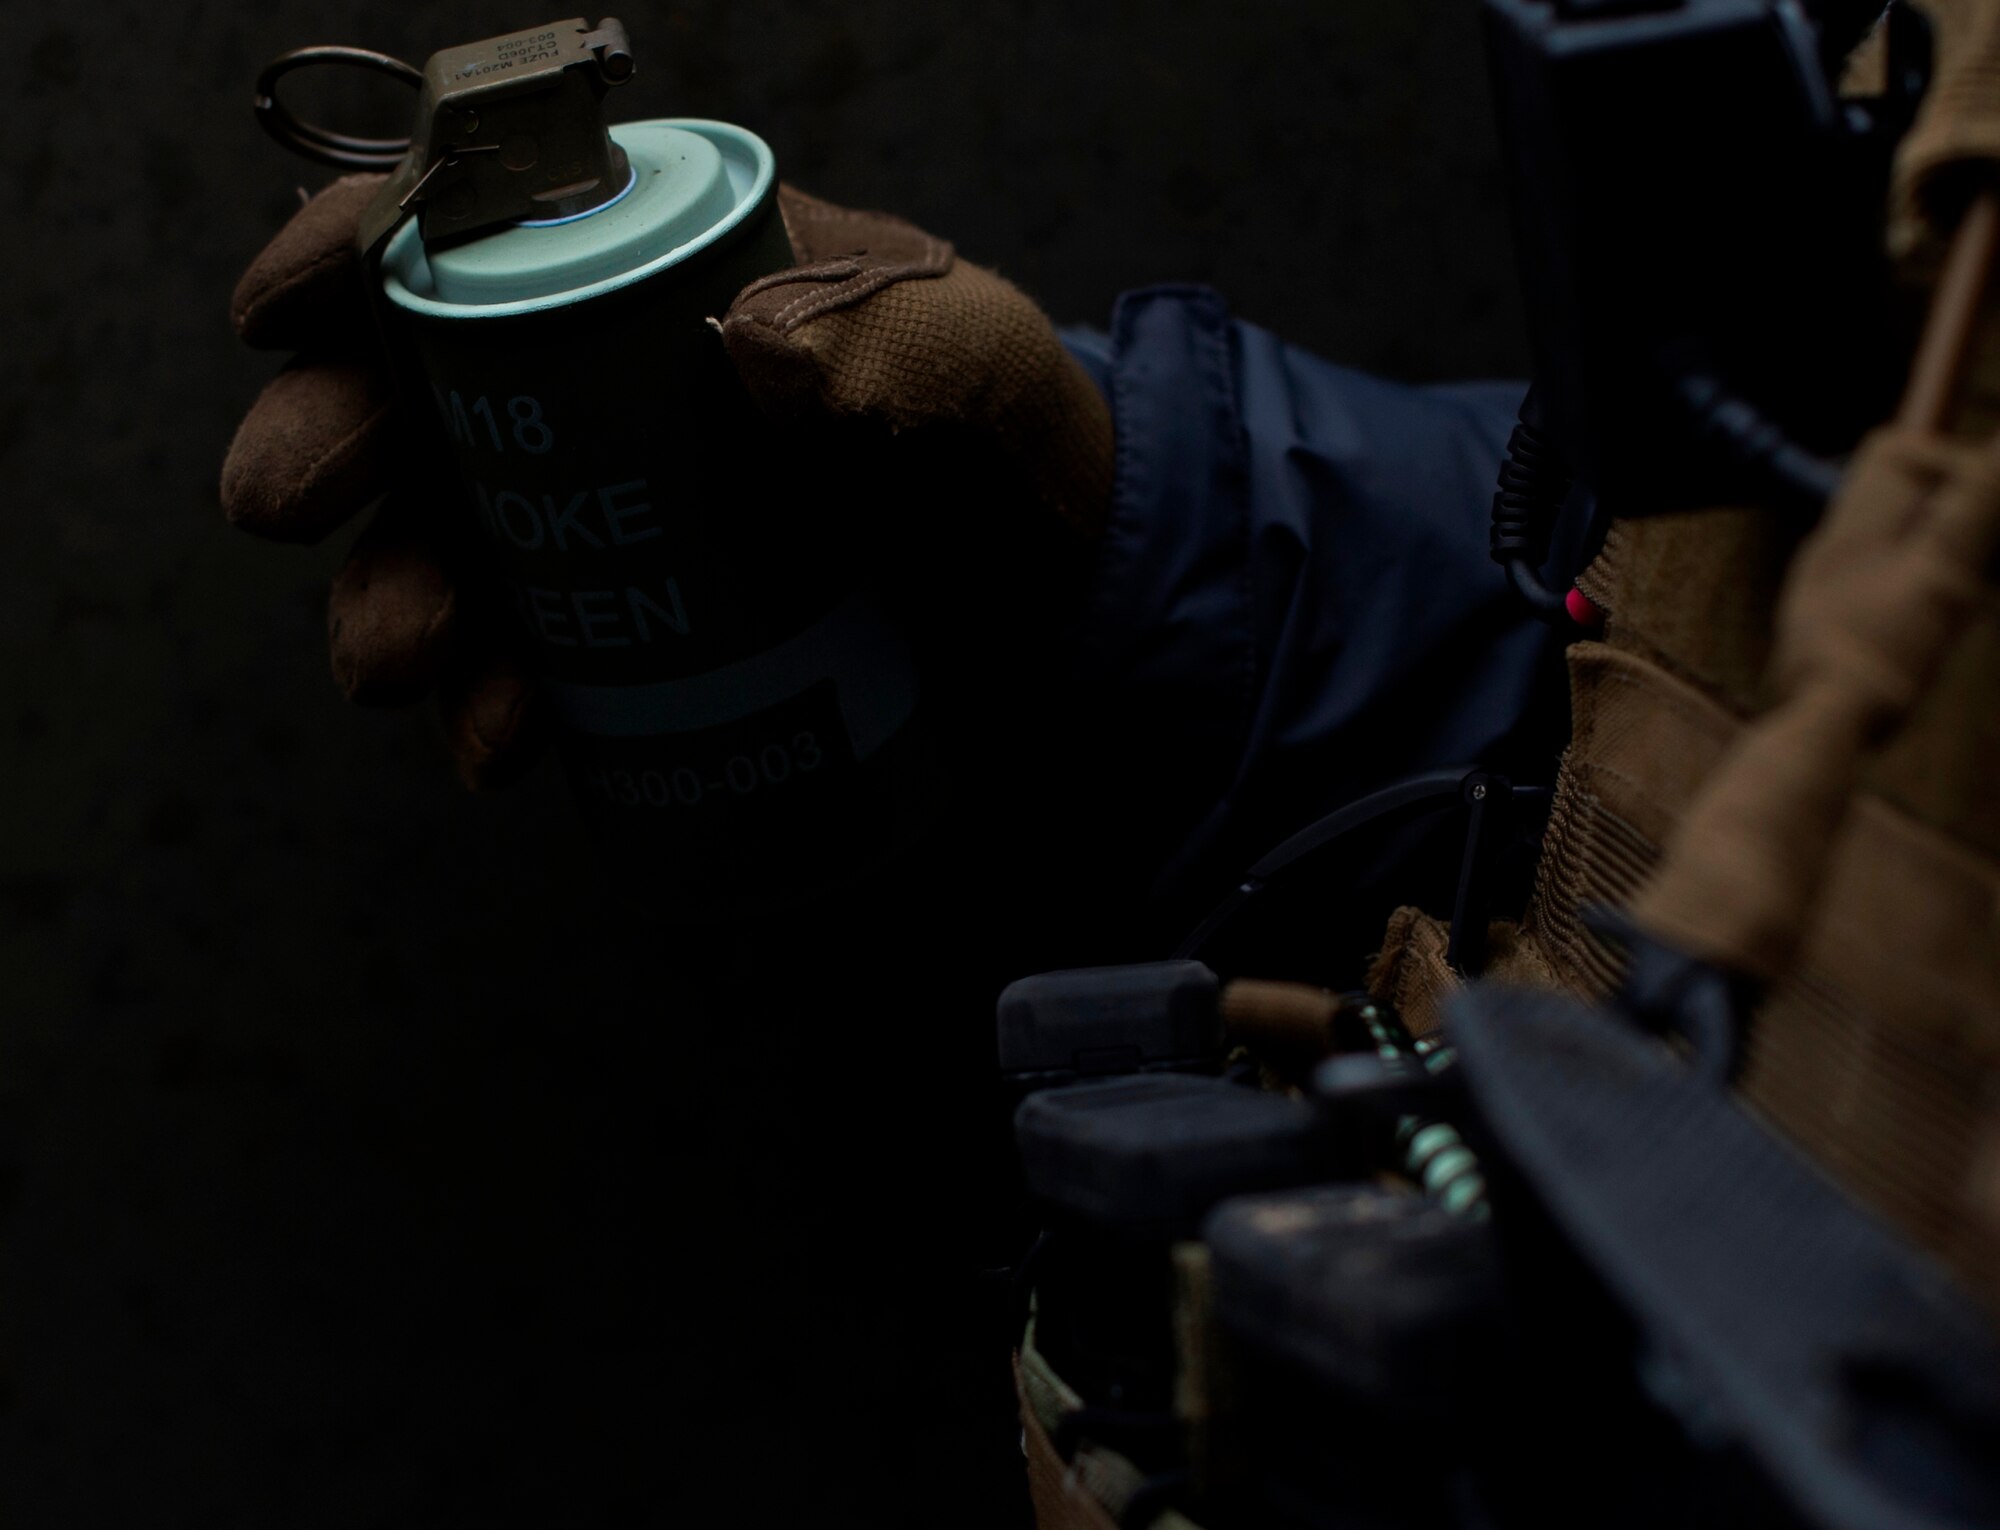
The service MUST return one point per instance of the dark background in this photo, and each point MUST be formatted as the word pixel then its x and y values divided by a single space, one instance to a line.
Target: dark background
pixel 334 1130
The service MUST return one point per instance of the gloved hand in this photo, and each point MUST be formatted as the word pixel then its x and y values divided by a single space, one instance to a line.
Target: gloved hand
pixel 879 323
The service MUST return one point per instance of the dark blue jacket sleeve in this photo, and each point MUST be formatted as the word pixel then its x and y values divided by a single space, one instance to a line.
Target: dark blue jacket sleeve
pixel 1294 602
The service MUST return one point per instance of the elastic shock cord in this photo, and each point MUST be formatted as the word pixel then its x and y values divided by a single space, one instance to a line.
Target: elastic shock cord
pixel 1534 484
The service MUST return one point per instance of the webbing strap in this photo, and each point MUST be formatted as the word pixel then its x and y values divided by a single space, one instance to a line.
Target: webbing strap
pixel 1905 924
pixel 1061 1499
pixel 1878 1052
pixel 1642 741
pixel 1093 1490
pixel 1876 599
pixel 1958 120
pixel 1844 1363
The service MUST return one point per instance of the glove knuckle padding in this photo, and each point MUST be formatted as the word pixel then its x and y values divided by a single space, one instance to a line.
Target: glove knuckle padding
pixel 305 286
pixel 885 324
pixel 315 447
pixel 391 615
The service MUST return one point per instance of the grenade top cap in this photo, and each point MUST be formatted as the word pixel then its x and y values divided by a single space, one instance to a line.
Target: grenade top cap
pixel 1145 1156
pixel 694 185
pixel 511 128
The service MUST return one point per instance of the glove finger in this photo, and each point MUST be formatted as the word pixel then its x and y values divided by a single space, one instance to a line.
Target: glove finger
pixel 846 258
pixel 492 718
pixel 304 290
pixel 392 615
pixel 904 335
pixel 319 443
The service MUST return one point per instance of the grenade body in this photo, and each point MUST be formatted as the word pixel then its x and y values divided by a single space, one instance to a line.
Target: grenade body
pixel 735 706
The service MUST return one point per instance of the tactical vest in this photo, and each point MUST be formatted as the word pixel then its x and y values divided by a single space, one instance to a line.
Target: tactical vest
pixel 1783 758
pixel 1877 1046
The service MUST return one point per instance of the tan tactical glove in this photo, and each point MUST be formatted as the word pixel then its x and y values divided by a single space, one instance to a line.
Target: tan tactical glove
pixel 879 323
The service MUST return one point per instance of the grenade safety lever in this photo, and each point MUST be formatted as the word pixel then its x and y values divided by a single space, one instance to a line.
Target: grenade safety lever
pixel 507 129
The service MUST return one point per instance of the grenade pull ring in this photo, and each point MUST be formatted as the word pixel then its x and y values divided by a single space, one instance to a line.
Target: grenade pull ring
pixel 343 150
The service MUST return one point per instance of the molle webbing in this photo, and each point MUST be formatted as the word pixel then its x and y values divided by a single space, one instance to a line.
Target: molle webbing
pixel 1693 592
pixel 1876 599
pixel 1879 1051
pixel 1641 743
